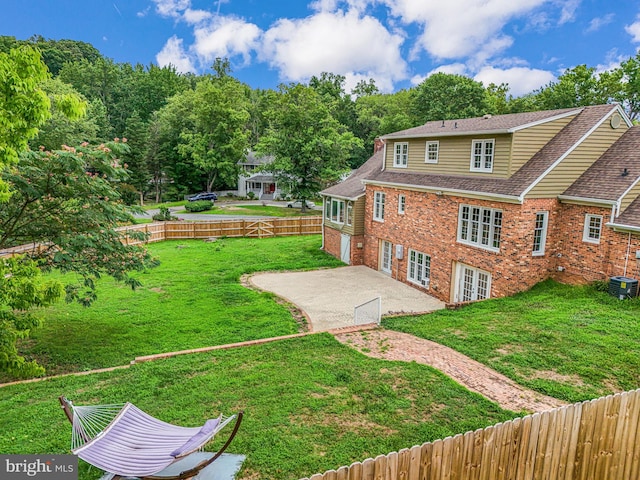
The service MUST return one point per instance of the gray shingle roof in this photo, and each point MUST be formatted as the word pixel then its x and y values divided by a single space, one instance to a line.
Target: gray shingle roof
pixel 604 179
pixel 486 124
pixel 631 215
pixel 352 187
pixel 519 181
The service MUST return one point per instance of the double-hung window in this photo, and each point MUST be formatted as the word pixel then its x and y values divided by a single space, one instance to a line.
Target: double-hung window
pixel 540 233
pixel 592 228
pixel 431 154
pixel 349 213
pixel 378 206
pixel 480 226
pixel 482 155
pixel 402 203
pixel 337 210
pixel 419 268
pixel 401 154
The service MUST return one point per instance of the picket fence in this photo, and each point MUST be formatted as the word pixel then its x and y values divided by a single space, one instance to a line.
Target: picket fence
pixel 593 440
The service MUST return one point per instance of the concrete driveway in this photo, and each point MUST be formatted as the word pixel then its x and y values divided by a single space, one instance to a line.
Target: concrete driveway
pixel 329 296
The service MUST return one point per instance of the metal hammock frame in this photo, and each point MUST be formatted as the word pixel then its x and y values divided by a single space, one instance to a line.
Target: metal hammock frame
pixel 90 423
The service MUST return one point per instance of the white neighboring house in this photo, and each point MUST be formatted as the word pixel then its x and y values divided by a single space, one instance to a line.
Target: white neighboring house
pixel 251 179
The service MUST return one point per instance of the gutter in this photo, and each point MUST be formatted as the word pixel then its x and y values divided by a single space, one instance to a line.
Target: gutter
pixel 598 202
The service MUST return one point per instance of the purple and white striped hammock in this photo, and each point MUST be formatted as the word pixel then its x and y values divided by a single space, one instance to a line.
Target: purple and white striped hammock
pixel 126 441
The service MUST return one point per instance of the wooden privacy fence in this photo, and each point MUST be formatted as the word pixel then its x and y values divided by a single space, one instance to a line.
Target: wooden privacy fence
pixel 275 227
pixel 594 440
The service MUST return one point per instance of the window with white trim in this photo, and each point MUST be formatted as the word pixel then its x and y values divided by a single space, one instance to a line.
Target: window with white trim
pixel 400 154
pixel 327 208
pixel 592 228
pixel 482 155
pixel 402 203
pixel 419 268
pixel 540 233
pixel 337 211
pixel 349 213
pixel 480 226
pixel 378 206
pixel 431 154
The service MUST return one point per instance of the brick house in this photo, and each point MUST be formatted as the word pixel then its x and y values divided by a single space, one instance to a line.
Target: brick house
pixel 486 207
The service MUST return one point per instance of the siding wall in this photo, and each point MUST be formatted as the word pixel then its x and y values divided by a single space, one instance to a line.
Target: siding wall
pixel 454 156
pixel 568 171
pixel 630 197
pixel 357 223
pixel 527 142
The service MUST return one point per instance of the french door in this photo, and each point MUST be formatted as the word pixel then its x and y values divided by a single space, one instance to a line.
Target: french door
pixel 472 284
pixel 386 256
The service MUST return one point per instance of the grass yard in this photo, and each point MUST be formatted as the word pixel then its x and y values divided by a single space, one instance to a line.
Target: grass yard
pixel 266 211
pixel 193 299
pixel 311 404
pixel 570 342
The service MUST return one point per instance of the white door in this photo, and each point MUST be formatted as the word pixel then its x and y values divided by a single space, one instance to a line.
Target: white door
pixel 386 256
pixel 472 284
pixel 345 248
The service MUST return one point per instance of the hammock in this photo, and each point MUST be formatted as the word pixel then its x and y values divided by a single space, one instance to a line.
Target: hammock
pixel 125 441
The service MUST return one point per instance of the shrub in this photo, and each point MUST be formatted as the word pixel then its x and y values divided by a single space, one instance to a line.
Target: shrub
pixel 251 195
pixel 163 215
pixel 198 206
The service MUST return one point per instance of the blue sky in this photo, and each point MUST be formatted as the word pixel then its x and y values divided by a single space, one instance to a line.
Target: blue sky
pixel 526 43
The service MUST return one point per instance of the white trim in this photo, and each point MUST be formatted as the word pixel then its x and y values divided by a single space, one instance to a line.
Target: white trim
pixel 376 201
pixel 384 156
pixel 426 151
pixel 459 278
pixel 426 278
pixel 587 201
pixel 620 227
pixel 491 231
pixel 342 197
pixel 587 226
pixel 619 203
pixel 543 234
pixel 545 120
pixel 483 195
pixel 484 142
pixel 533 184
pixel 403 203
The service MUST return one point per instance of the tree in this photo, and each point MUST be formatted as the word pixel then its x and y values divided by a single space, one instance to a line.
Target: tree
pixel 24 106
pixel 628 76
pixel 310 148
pixel 576 87
pixel 444 96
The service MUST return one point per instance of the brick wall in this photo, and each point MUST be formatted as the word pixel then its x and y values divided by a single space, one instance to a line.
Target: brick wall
pixel 430 225
pixel 333 241
pixel 585 262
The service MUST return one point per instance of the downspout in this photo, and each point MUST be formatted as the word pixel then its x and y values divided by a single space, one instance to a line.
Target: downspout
pixel 324 209
pixel 384 155
pixel 626 258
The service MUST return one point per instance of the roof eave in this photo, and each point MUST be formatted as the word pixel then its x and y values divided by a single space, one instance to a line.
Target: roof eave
pixel 447 134
pixel 600 202
pixel 620 227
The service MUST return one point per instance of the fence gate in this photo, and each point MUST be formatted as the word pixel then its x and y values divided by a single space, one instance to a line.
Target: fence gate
pixel 368 312
pixel 259 228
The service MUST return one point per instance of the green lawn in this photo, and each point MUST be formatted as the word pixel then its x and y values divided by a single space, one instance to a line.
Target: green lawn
pixel 193 299
pixel 311 404
pixel 570 342
pixel 267 211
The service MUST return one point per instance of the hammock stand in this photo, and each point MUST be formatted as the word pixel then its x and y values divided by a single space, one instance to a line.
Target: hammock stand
pixel 127 442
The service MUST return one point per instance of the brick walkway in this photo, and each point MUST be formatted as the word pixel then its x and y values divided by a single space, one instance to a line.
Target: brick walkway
pixel 391 345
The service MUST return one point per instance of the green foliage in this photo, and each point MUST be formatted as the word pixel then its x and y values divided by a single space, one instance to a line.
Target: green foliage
pixel 24 106
pixel 310 147
pixel 198 206
pixel 251 195
pixel 22 288
pixel 68 201
pixel 164 215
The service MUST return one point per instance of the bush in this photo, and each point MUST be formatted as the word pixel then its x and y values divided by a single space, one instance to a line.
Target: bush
pixel 198 206
pixel 163 215
pixel 251 195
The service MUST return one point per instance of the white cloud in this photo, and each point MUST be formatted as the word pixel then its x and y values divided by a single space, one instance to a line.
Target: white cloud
pixel 634 30
pixel 225 37
pixel 171 8
pixel 173 53
pixel 194 17
pixel 521 80
pixel 612 61
pixel 568 11
pixel 458 28
pixel 341 43
pixel 597 23
pixel 143 13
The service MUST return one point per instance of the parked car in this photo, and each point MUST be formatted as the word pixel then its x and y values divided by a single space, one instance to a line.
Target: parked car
pixel 298 204
pixel 203 196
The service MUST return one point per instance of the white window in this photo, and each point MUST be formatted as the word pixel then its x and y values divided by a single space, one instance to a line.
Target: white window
pixel 419 268
pixel 540 233
pixel 327 208
pixel 592 228
pixel 378 206
pixel 402 202
pixel 401 154
pixel 431 155
pixel 349 213
pixel 482 155
pixel 337 211
pixel 471 284
pixel 480 226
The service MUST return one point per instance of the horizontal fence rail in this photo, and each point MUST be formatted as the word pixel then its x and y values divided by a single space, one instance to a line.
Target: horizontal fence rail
pixel 594 440
pixel 179 230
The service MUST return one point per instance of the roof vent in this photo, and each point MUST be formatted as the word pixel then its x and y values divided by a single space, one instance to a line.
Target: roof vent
pixel 625 172
pixel 486 116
